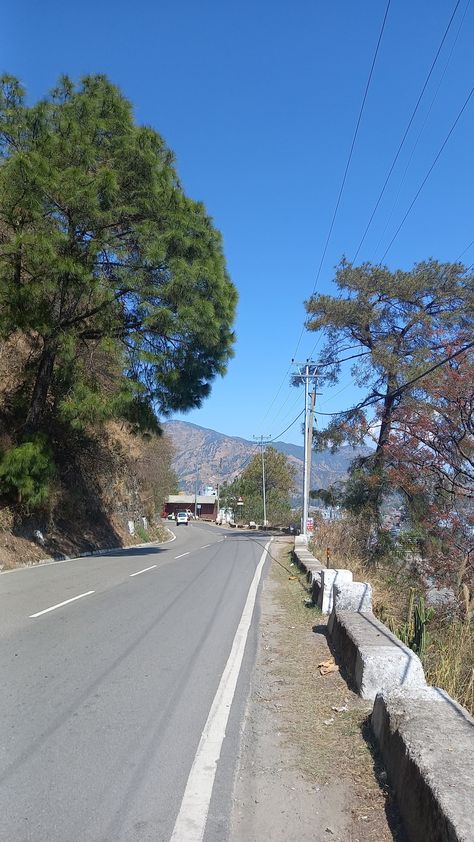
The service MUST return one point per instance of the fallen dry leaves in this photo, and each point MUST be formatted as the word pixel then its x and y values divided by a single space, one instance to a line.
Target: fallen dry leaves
pixel 326 667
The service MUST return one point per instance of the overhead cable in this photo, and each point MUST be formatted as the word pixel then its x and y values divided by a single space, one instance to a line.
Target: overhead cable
pixel 375 398
pixel 438 155
pixel 410 158
pixel 286 428
pixel 401 144
pixel 338 201
pixel 349 159
pixel 348 162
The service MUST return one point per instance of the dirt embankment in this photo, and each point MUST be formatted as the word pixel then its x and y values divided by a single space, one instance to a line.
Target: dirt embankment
pixel 104 480
pixel 307 768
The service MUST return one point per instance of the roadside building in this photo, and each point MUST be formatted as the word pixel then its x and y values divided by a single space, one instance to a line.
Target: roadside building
pixel 206 505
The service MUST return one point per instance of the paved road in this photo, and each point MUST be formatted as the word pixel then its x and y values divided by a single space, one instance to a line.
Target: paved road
pixel 109 673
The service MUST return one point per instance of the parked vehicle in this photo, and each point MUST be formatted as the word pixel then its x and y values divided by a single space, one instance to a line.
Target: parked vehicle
pixel 182 517
pixel 171 516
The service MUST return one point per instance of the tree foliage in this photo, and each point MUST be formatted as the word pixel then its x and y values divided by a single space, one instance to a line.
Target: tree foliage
pixel 392 326
pixel 430 457
pixel 108 268
pixel 279 482
pixel 27 471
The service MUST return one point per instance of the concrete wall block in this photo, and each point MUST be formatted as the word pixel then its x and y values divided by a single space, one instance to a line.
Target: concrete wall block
pixel 387 667
pixel 374 658
pixel 356 596
pixel 315 582
pixel 329 578
pixel 427 745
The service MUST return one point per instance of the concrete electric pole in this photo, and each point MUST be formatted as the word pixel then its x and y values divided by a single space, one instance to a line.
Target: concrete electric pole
pixel 306 374
pixel 263 441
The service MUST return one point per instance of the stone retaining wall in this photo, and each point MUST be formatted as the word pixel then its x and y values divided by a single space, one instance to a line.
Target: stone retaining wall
pixel 425 738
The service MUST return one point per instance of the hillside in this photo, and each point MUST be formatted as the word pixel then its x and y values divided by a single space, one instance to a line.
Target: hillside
pixel 105 476
pixel 215 458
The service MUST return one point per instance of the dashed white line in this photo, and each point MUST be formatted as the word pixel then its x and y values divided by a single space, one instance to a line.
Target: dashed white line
pixel 60 604
pixel 204 547
pixel 192 817
pixel 182 554
pixel 145 570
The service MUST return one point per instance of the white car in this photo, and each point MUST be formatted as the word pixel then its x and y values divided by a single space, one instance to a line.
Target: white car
pixel 182 517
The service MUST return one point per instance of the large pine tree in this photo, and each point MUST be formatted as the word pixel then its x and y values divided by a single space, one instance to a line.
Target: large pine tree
pixel 106 266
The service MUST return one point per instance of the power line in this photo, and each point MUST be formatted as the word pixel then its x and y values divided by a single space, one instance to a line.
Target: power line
pixel 372 399
pixel 408 128
pixel 460 113
pixel 410 158
pixel 348 162
pixel 400 146
pixel 278 390
pixel 286 428
pixel 256 449
pixel 341 189
pixel 464 251
pixel 289 410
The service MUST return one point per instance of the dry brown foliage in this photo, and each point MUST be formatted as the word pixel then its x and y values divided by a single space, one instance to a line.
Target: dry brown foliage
pixel 449 658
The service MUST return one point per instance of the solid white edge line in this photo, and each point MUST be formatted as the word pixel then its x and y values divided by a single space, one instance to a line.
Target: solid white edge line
pixel 60 604
pixel 182 554
pixel 192 817
pixel 145 570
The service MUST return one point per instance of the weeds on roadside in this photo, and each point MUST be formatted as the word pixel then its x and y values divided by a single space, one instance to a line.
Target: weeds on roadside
pixel 449 660
pixel 142 533
pixel 445 639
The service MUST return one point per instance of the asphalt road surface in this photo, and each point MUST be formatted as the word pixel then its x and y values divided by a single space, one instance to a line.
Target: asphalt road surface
pixel 123 686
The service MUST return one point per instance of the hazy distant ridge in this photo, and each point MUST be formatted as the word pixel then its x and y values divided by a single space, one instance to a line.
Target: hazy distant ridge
pixel 219 458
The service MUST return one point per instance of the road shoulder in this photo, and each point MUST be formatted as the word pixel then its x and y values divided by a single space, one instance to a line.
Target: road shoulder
pixel 305 770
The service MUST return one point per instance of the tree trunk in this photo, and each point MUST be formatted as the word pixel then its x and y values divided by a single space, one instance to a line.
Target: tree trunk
pixel 41 388
pixel 385 422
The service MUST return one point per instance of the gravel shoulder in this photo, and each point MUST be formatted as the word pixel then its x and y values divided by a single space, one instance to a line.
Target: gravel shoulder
pixel 305 771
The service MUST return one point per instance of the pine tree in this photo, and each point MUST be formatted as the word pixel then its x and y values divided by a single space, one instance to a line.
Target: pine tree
pixel 111 272
pixel 392 326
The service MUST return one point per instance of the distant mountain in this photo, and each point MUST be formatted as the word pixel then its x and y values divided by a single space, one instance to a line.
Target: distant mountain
pixel 214 458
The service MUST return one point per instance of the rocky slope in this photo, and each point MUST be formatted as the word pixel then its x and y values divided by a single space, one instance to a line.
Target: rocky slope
pixel 214 458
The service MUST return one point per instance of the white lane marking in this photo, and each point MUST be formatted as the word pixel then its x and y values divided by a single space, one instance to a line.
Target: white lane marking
pixel 204 547
pixel 182 554
pixel 145 569
pixel 60 604
pixel 192 817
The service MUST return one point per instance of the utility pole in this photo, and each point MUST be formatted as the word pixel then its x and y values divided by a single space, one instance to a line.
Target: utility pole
pixel 309 446
pixel 263 441
pixel 306 373
pixel 195 489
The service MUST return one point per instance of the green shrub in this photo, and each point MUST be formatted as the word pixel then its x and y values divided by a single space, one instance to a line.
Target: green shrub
pixel 27 470
pixel 142 533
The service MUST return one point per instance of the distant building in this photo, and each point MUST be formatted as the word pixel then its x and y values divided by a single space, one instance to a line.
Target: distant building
pixel 331 513
pixel 206 505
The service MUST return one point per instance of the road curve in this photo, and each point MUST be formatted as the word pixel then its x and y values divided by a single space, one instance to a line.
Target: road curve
pixel 110 670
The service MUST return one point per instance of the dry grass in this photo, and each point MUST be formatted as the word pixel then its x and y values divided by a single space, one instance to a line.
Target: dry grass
pixel 340 750
pixel 449 658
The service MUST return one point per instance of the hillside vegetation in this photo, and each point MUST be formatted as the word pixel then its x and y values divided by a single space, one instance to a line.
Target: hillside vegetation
pixel 407 509
pixel 115 308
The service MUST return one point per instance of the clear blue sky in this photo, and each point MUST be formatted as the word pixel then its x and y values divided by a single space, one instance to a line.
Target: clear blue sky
pixel 259 102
